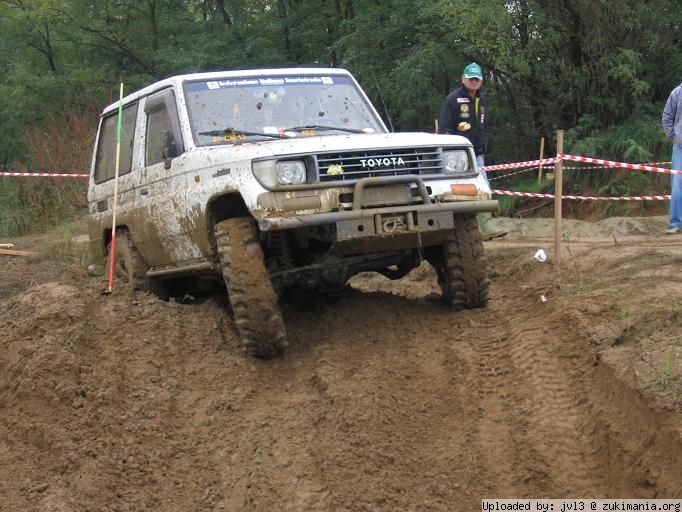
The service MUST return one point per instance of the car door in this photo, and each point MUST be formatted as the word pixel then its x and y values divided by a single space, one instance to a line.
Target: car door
pixel 104 183
pixel 163 190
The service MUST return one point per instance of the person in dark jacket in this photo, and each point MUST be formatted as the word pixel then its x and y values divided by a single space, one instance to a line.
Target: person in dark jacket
pixel 464 112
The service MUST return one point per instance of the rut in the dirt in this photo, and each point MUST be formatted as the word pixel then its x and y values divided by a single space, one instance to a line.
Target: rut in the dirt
pixel 386 400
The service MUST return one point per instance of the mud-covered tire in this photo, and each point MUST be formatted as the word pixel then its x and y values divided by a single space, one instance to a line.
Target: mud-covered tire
pixel 129 267
pixel 461 266
pixel 251 294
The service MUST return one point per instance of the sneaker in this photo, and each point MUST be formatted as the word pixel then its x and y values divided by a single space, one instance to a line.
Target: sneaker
pixel 673 230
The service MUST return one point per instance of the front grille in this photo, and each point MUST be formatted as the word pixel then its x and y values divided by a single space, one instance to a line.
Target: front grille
pixel 353 165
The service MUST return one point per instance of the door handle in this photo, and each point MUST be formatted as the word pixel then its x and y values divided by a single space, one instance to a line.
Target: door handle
pixel 144 192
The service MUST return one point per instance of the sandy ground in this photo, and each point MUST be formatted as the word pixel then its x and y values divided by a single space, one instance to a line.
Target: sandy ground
pixel 568 384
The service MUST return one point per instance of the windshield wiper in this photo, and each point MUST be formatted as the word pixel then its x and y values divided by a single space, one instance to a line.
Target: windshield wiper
pixel 233 131
pixel 323 127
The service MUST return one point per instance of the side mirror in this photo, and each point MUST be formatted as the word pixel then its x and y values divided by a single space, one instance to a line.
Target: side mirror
pixel 170 150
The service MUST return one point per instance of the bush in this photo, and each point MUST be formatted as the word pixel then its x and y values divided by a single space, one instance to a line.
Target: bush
pixel 60 145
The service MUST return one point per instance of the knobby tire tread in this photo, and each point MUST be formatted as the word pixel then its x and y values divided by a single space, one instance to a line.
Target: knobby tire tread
pixel 254 301
pixel 135 265
pixel 463 273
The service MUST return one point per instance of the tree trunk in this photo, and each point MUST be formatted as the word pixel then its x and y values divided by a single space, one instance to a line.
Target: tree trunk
pixel 281 6
pixel 153 24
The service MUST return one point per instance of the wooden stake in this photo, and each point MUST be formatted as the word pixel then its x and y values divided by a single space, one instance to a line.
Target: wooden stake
pixel 9 252
pixel 558 169
pixel 542 155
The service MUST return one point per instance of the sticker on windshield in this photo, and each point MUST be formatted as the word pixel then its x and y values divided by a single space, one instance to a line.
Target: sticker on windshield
pixel 229 137
pixel 268 82
pixel 271 81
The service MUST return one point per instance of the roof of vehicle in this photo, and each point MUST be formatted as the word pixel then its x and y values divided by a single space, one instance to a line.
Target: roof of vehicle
pixel 240 73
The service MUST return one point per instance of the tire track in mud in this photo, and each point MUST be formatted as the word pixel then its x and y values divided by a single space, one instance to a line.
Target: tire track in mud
pixel 540 429
pixel 495 431
pixel 552 357
pixel 389 424
pixel 512 463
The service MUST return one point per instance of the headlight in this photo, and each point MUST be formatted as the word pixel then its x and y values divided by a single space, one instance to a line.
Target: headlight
pixel 290 172
pixel 272 173
pixel 456 162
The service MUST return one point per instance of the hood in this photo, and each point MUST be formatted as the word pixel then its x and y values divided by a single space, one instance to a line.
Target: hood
pixel 332 143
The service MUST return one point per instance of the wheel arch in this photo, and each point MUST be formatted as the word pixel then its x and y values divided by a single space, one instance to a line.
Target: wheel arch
pixel 106 236
pixel 223 207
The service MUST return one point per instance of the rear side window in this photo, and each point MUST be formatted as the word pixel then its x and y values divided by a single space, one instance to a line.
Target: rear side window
pixel 105 163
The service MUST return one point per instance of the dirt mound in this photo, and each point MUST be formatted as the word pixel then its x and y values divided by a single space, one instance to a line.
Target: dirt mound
pixel 574 229
pixel 386 400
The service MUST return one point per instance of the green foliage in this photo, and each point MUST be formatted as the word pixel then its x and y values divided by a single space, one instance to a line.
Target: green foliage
pixel 548 65
pixel 526 182
pixel 36 204
pixel 636 139
pixel 10 207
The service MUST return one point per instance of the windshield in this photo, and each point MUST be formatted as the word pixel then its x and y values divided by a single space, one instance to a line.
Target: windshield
pixel 232 110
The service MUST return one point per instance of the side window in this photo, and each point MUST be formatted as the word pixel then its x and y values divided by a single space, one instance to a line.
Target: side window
pixel 105 163
pixel 163 139
pixel 159 139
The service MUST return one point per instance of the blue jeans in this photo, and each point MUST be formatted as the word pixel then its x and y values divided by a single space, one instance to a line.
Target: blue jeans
pixel 676 188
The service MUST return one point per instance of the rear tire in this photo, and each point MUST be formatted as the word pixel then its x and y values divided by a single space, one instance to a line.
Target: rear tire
pixel 129 267
pixel 461 266
pixel 251 294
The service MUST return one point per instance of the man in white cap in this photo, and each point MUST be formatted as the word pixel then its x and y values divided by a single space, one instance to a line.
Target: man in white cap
pixel 464 113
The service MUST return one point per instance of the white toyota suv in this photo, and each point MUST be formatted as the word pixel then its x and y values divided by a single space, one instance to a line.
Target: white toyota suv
pixel 276 180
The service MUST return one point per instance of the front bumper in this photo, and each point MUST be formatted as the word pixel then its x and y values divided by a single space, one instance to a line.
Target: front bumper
pixel 369 214
pixel 427 216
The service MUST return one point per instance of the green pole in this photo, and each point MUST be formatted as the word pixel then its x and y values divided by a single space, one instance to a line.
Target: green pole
pixel 112 246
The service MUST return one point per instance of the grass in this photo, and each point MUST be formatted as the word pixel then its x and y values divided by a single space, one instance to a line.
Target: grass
pixel 65 248
pixel 61 244
pixel 37 205
pixel 675 313
pixel 665 375
pixel 578 289
pixel 526 184
pixel 667 380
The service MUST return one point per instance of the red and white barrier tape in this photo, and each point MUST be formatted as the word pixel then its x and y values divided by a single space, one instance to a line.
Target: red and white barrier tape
pixel 581 198
pixel 512 174
pixel 44 175
pixel 592 167
pixel 546 161
pixel 638 167
pixel 587 168
pixel 488 168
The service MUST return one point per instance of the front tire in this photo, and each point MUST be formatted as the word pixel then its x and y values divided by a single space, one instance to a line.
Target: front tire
pixel 251 294
pixel 461 266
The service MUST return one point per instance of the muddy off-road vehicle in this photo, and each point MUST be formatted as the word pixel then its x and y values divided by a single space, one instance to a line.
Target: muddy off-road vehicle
pixel 278 180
